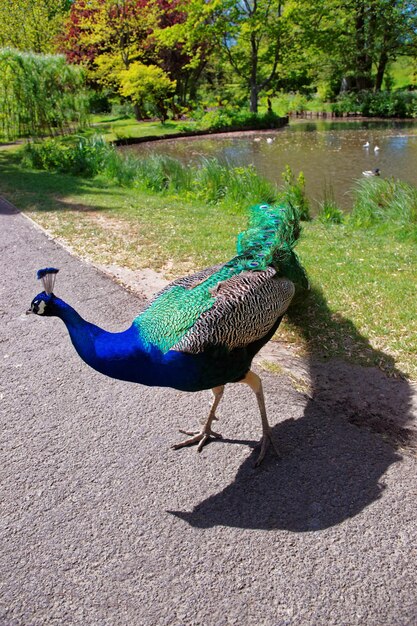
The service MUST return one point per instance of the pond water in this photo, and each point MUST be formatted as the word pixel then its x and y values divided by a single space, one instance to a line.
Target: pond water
pixel 331 154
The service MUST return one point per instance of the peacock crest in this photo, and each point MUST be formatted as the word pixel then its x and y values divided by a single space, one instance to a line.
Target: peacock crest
pixel 48 277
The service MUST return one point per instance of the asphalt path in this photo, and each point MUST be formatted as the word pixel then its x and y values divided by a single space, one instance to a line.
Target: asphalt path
pixel 102 523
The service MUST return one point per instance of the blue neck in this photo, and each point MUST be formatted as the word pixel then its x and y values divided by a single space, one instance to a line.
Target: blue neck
pixel 124 355
pixel 112 354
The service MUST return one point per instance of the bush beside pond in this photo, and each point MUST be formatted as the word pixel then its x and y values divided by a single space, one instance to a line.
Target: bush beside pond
pixel 400 104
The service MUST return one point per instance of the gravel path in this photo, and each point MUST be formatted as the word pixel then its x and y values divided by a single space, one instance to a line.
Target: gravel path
pixel 103 524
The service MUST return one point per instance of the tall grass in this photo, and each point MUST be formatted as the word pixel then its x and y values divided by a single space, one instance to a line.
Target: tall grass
pixel 208 180
pixel 329 211
pixel 387 203
pixel 81 156
pixel 294 192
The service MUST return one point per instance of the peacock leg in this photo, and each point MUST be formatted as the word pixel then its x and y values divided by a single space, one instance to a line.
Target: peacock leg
pixel 255 384
pixel 206 432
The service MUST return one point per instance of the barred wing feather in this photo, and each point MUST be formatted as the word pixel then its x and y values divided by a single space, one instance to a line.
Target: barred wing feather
pixel 246 307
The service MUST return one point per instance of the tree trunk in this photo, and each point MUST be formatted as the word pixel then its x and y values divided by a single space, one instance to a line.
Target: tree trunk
pixel 253 81
pixel 363 59
pixel 382 64
pixel 137 112
pixel 253 98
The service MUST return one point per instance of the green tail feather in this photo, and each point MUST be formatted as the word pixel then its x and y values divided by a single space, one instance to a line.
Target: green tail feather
pixel 271 235
pixel 269 240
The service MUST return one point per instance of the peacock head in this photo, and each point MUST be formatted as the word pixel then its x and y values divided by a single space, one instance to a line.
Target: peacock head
pixel 43 303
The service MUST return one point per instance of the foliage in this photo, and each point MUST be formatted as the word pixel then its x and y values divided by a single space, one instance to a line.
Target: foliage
pixel 31 25
pixel 350 45
pixel 209 180
pixel 39 94
pixel 149 88
pixel 253 35
pixel 229 117
pixel 98 101
pixel 108 34
pixel 379 104
pixel 231 48
pixel 290 103
pixel 83 157
pixel 108 37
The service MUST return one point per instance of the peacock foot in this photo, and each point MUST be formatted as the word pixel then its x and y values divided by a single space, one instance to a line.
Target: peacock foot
pixel 201 438
pixel 266 441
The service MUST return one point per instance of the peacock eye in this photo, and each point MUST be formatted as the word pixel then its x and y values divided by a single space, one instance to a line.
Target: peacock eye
pixel 39 306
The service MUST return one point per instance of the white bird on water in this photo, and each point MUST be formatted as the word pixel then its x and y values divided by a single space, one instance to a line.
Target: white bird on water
pixel 369 173
pixel 366 144
pixel 376 149
pixel 269 140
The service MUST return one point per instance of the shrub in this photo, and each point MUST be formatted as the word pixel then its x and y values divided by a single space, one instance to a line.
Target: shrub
pixel 379 104
pixel 149 88
pixel 98 102
pixel 123 109
pixel 228 117
pixel 86 157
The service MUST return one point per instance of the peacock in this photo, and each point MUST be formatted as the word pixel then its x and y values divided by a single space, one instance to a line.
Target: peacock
pixel 201 331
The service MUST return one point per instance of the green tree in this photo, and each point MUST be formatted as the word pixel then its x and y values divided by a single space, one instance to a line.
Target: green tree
pixel 32 25
pixel 254 35
pixel 148 86
pixel 352 42
pixel 189 39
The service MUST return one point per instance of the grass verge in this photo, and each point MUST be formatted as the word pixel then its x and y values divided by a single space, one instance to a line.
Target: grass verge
pixel 114 127
pixel 362 302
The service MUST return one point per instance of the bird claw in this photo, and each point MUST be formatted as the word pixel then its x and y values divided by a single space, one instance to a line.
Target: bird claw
pixel 201 438
pixel 265 442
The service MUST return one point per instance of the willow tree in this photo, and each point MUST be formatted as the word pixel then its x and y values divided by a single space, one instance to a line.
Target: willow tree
pixel 40 94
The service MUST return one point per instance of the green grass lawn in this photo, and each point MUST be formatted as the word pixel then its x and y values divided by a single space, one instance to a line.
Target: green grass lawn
pixel 113 128
pixel 362 305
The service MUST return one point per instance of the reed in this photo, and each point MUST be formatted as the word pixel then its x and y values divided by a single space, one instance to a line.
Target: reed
pixel 40 94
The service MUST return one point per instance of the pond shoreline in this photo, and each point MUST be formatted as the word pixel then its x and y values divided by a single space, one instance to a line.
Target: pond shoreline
pixel 230 130
pixel 331 154
pixel 285 121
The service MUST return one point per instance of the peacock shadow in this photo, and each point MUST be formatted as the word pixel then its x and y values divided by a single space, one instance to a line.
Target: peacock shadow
pixel 334 456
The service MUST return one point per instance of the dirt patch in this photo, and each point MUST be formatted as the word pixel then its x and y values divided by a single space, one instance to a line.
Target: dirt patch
pixel 144 282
